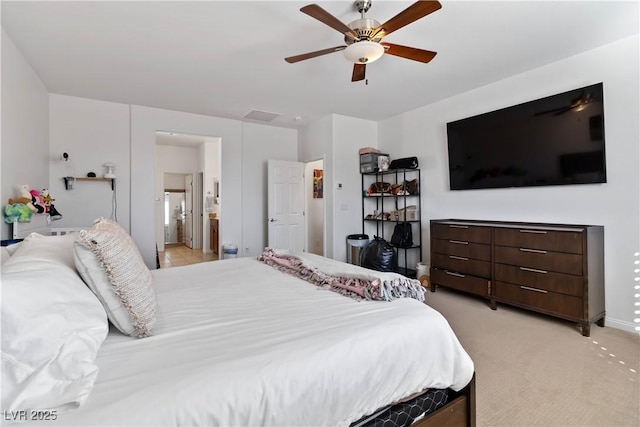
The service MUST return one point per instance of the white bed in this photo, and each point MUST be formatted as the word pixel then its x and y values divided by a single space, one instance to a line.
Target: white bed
pixel 237 342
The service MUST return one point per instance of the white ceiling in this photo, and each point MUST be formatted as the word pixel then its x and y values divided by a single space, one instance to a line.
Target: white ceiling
pixel 225 58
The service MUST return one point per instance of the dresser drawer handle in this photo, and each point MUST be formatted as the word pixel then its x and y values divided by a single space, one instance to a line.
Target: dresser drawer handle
pixel 461 258
pixel 458 226
pixel 535 251
pixel 458 242
pixel 534 270
pixel 526 288
pixel 534 231
pixel 455 274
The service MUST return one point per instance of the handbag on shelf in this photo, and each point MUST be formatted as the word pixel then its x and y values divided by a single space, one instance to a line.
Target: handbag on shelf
pixel 404 163
pixel 411 187
pixel 402 235
pixel 379 187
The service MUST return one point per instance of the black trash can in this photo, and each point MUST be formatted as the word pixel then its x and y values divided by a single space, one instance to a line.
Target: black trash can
pixel 355 244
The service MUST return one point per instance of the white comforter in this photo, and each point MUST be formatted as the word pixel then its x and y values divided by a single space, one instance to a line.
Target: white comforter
pixel 239 343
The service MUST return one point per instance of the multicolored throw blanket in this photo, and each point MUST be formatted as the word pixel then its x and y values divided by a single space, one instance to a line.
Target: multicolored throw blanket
pixel 349 280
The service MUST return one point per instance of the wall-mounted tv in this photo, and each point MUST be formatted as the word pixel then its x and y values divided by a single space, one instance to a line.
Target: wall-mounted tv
pixel 550 141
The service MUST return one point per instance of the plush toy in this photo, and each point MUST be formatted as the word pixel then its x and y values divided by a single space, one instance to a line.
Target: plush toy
pixel 26 194
pixel 53 212
pixel 46 198
pixel 19 211
pixel 37 201
pixel 22 200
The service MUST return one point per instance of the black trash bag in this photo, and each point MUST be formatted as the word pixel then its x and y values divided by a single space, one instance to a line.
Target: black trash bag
pixel 379 255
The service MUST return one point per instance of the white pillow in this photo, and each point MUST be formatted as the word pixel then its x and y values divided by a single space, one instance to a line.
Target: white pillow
pixel 52 329
pixel 111 265
pixel 7 251
pixel 57 248
pixel 4 254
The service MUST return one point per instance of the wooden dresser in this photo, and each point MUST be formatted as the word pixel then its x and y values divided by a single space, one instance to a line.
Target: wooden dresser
pixel 214 235
pixel 554 269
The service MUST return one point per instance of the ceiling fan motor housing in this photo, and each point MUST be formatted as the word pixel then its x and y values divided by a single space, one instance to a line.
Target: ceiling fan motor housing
pixel 364 29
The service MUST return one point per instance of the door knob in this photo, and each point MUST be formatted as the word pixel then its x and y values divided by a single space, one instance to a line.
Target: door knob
pixel 272 220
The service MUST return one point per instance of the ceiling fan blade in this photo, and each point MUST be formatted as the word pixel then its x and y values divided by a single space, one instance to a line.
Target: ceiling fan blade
pixel 409 52
pixel 309 55
pixel 414 12
pixel 315 11
pixel 564 110
pixel 557 111
pixel 358 72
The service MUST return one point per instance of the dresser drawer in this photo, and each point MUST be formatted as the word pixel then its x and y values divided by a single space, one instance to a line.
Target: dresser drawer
pixel 462 282
pixel 540 300
pixel 567 284
pixel 465 233
pixel 462 248
pixel 540 259
pixel 558 241
pixel 461 264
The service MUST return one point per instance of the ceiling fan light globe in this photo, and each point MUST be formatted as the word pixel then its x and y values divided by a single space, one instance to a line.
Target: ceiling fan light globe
pixel 363 52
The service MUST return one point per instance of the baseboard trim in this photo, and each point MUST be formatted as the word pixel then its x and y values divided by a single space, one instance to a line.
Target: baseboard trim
pixel 621 324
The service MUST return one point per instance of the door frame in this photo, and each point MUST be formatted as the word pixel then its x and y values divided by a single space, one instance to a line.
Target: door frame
pixel 309 198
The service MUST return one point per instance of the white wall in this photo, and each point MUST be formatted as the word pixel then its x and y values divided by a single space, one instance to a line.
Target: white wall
pixel 92 133
pixel 259 144
pixel 616 204
pixel 314 211
pixel 174 181
pixel 145 121
pixel 25 127
pixel 315 141
pixel 349 135
pixel 337 139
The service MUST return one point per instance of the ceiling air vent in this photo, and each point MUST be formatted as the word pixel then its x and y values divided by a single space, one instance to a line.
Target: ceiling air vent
pixel 263 116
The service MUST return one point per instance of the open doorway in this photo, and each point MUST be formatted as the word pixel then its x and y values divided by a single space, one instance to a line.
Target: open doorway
pixel 314 206
pixel 174 216
pixel 189 164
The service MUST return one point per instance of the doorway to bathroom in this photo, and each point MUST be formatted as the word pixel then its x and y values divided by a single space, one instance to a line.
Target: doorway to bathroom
pixel 174 216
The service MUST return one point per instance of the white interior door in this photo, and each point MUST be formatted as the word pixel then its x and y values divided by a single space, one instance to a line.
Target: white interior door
pixel 197 217
pixel 286 205
pixel 188 215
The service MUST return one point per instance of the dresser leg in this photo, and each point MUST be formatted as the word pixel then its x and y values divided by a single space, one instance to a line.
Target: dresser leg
pixel 586 329
pixel 600 322
pixel 493 304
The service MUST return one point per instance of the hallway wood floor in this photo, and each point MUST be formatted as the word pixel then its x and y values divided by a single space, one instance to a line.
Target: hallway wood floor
pixel 177 255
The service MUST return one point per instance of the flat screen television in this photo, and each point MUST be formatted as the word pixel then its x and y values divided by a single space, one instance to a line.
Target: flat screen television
pixel 550 141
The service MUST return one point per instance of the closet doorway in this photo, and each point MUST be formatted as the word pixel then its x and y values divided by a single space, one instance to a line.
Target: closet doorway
pixel 315 207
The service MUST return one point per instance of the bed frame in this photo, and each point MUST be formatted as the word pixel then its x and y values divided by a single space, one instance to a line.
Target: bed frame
pixel 460 410
pixel 40 223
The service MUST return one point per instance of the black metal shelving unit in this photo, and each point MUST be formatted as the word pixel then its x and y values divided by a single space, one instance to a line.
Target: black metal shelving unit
pixel 383 227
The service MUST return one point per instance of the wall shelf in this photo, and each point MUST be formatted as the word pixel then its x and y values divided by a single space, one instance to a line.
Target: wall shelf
pixel 68 179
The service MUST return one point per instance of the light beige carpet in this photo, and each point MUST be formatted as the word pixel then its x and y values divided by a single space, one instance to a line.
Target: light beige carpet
pixel 536 370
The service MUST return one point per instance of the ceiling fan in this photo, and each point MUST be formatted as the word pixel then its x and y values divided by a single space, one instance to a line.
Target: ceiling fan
pixel 363 36
pixel 577 104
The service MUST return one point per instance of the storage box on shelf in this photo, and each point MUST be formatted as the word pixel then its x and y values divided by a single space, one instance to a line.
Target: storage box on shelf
pixel 369 162
pixel 554 269
pixel 393 197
